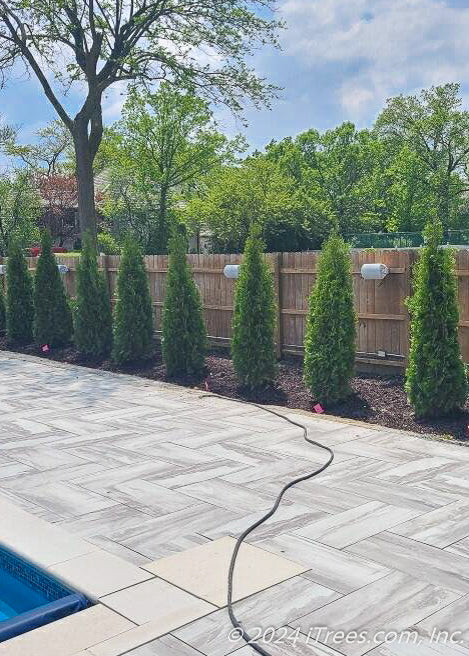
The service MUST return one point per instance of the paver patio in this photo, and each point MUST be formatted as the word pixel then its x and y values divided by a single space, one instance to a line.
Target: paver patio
pixel 145 471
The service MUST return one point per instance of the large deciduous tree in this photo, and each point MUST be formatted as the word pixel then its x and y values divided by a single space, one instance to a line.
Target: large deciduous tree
pixel 340 172
pixel 436 130
pixel 258 192
pixel 59 195
pixel 94 44
pixel 46 155
pixel 159 152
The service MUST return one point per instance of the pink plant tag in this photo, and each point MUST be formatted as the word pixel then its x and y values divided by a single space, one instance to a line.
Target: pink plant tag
pixel 207 387
pixel 318 408
pixel 45 348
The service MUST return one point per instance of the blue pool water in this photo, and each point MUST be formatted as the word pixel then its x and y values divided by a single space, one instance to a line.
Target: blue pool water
pixel 16 597
pixel 30 597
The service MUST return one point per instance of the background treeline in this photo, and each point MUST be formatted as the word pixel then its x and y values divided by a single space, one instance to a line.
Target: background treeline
pixel 167 160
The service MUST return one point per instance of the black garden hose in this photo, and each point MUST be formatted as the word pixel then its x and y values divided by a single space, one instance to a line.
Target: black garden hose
pixel 234 620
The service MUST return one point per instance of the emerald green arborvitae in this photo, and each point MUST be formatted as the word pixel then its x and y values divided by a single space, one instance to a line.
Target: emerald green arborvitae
pixel 2 308
pixel 93 316
pixel 19 298
pixel 253 340
pixel 330 326
pixel 436 381
pixel 184 336
pixel 133 315
pixel 52 314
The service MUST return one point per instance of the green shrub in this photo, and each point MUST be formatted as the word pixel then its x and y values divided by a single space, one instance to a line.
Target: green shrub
pixel 435 382
pixel 330 326
pixel 2 307
pixel 133 316
pixel 93 317
pixel 107 244
pixel 184 334
pixel 19 298
pixel 253 340
pixel 52 315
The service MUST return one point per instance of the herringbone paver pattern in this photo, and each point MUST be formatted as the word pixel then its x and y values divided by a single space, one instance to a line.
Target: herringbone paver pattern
pixel 146 470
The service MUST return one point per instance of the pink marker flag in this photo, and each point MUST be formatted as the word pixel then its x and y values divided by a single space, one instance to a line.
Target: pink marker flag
pixel 318 408
pixel 45 348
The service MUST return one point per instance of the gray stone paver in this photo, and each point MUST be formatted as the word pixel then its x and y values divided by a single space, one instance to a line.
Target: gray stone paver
pixel 146 470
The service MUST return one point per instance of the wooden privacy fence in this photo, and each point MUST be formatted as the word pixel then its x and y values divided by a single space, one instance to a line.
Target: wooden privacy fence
pixel 383 321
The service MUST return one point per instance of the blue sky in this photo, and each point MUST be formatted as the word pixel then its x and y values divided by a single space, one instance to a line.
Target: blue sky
pixel 340 60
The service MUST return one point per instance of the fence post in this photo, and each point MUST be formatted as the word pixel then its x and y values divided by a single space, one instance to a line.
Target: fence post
pixel 105 267
pixel 277 268
pixel 411 258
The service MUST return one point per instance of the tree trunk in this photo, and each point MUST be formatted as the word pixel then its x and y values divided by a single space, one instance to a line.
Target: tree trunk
pixel 85 180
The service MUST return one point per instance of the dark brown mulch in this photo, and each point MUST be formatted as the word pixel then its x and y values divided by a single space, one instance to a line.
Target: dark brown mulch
pixel 375 399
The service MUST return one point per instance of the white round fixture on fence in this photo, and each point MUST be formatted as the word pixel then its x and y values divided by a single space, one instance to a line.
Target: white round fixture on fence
pixel 3 269
pixel 374 271
pixel 231 271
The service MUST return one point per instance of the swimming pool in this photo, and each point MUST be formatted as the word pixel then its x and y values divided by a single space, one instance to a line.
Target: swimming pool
pixel 30 597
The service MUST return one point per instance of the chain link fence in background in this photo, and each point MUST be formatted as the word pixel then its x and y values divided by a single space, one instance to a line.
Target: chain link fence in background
pixel 403 239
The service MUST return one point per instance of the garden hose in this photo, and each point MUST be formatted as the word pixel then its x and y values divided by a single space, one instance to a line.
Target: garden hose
pixel 234 620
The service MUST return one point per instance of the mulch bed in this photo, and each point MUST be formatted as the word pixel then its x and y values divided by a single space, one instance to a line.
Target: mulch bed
pixel 375 399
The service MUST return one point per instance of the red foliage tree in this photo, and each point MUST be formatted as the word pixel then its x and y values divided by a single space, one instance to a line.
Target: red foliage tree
pixel 59 193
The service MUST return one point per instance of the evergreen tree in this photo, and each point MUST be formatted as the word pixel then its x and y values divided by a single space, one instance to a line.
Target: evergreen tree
pixel 93 316
pixel 253 340
pixel 52 315
pixel 133 316
pixel 184 335
pixel 2 308
pixel 19 298
pixel 330 327
pixel 436 381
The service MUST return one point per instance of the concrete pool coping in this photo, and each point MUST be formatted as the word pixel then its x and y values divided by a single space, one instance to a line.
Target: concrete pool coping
pixel 127 598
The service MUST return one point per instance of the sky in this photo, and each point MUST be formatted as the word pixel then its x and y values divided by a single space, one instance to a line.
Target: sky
pixel 340 60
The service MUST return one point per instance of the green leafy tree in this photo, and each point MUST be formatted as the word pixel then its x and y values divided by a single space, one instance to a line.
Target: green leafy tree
pixel 184 336
pixel 46 155
pixel 20 208
pixel 257 191
pixel 409 195
pixel 52 314
pixel 331 323
pixel 19 298
pixel 133 315
pixel 253 338
pixel 341 173
pixel 165 145
pixel 435 128
pixel 436 381
pixel 93 316
pixel 107 244
pixel 106 43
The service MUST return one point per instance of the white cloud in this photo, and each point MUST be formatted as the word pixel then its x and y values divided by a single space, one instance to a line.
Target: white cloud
pixel 378 48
